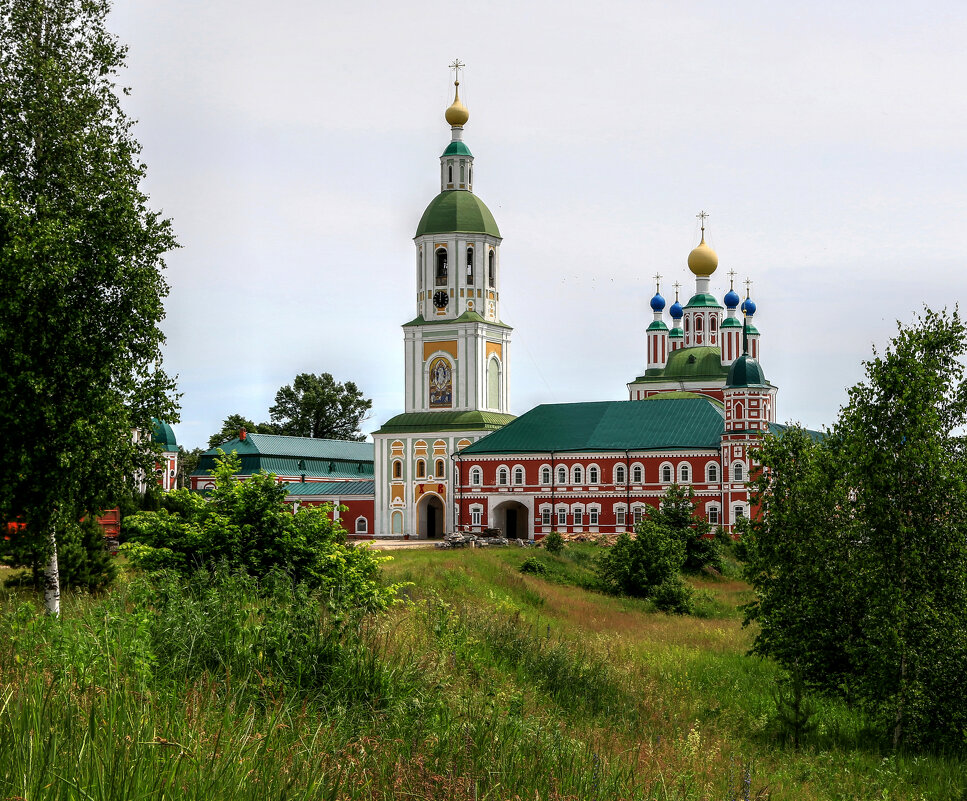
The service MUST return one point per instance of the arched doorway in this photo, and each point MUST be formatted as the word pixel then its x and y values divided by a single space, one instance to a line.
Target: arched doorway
pixel 513 520
pixel 431 517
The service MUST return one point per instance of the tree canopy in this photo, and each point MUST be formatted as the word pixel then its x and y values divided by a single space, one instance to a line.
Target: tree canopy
pixel 319 406
pixel 81 287
pixel 859 560
pixel 234 423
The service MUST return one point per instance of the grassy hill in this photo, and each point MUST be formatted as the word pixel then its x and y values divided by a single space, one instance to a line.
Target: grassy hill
pixel 485 684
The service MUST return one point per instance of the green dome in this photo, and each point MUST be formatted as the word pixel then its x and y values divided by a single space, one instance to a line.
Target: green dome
pixel 691 363
pixel 457 149
pixel 161 433
pixel 746 372
pixel 457 210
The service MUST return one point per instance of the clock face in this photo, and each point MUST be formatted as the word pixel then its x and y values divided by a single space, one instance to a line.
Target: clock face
pixel 441 299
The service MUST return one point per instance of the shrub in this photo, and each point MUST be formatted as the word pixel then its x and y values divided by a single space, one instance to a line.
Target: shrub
pixel 534 565
pixel 554 542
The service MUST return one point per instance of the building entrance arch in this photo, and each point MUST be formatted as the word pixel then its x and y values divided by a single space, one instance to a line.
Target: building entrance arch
pixel 431 517
pixel 513 520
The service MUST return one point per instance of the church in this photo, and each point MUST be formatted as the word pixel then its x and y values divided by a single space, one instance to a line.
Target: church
pixel 457 460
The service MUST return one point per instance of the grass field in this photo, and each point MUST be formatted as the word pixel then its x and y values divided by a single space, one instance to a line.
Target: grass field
pixel 485 684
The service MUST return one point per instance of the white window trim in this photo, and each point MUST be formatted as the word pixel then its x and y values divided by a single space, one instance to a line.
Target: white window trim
pixel 631 474
pixel 661 472
pixel 365 526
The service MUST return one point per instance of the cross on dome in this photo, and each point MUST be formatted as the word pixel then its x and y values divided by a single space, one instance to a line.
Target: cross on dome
pixel 702 216
pixel 731 279
pixel 657 282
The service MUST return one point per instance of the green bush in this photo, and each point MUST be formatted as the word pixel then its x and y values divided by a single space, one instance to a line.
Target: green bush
pixel 554 542
pixel 246 525
pixel 534 565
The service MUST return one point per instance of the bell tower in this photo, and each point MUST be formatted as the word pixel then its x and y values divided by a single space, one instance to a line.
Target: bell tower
pixel 456 350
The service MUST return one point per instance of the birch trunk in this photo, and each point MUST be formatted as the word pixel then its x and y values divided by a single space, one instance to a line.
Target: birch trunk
pixel 52 579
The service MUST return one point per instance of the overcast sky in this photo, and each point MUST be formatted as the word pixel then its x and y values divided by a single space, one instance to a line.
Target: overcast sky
pixel 295 146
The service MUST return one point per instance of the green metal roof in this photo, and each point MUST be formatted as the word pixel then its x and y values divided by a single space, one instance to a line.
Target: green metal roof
pixel 699 363
pixel 746 372
pixel 467 317
pixel 162 434
pixel 677 394
pixel 777 429
pixel 657 325
pixel 730 322
pixel 703 300
pixel 752 329
pixel 457 149
pixel 457 210
pixel 676 333
pixel 415 422
pixel 609 426
pixel 333 458
pixel 339 488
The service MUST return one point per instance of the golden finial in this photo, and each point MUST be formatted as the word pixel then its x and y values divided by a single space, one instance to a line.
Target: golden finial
pixel 702 261
pixel 458 114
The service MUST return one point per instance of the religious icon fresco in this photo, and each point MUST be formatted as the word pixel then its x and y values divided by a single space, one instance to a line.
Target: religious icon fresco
pixel 441 384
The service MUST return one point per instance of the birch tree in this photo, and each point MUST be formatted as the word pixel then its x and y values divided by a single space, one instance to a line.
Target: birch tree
pixel 81 284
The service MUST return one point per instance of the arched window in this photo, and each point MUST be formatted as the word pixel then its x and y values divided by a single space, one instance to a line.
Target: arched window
pixel 545 475
pixel 450 172
pixel 562 475
pixel 712 472
pixel 684 473
pixel 476 476
pixel 440 468
pixel 713 514
pixel 698 324
pixel 420 468
pixel 619 474
pixel 518 475
pixel 397 469
pixel 666 474
pixel 469 266
pixel 492 270
pixel 738 472
pixel 502 476
pixel 578 474
pixel 592 475
pixel 738 512
pixel 686 325
pixel 441 267
pixel 361 526
pixel 636 474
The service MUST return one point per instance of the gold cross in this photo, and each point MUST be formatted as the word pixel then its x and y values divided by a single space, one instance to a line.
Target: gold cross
pixel 456 66
pixel 702 215
pixel 748 287
pixel 731 279
pixel 657 284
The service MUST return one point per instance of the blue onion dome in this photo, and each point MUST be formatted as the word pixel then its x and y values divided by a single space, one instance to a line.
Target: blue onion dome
pixel 731 299
pixel 748 307
pixel 657 303
pixel 676 311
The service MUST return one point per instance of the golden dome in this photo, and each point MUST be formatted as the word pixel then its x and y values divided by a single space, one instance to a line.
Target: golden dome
pixel 458 114
pixel 702 261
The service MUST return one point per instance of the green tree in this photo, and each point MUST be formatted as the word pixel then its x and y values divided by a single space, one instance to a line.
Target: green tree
pixel 234 423
pixel 319 406
pixel 859 562
pixel 187 464
pixel 678 512
pixel 80 274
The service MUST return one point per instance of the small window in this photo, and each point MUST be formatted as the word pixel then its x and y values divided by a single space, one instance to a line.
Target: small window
pixel 578 475
pixel 518 475
pixel 562 517
pixel 440 468
pixel 738 512
pixel 546 517
pixel 545 475
pixel 397 469
pixel 502 476
pixel 361 526
pixel 636 474
pixel 684 473
pixel 469 266
pixel 713 515
pixel 592 517
pixel 619 517
pixel 578 517
pixel 562 475
pixel 476 476
pixel 441 267
pixel 666 474
pixel 592 475
pixel 738 472
pixel 475 515
pixel 712 473
pixel 619 474
pixel 450 173
pixel 492 270
pixel 420 468
pixel 639 514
